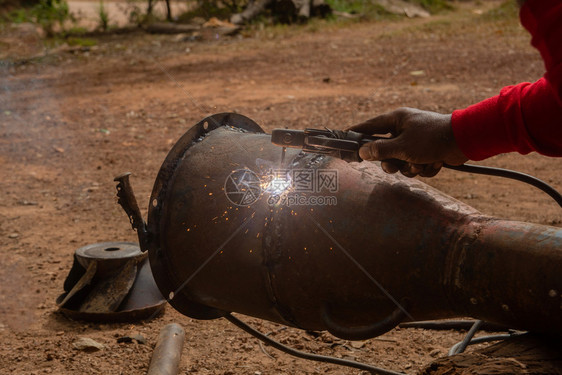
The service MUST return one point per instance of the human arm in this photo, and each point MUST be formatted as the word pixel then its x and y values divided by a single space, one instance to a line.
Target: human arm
pixel 423 139
pixel 523 118
pixel 526 117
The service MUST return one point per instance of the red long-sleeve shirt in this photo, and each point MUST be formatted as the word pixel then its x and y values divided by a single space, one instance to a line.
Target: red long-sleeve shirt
pixel 526 117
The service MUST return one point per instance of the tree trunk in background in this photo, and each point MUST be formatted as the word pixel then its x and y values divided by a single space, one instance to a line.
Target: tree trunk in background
pixel 7 5
pixel 168 11
pixel 287 11
pixel 149 8
pixel 254 8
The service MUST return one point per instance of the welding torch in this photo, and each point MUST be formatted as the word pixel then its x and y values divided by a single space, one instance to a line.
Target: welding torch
pixel 346 144
pixel 337 143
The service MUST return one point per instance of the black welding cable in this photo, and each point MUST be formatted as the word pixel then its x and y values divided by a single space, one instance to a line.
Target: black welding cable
pixel 313 357
pixel 445 325
pixel 455 348
pixel 471 325
pixel 461 347
pixel 506 173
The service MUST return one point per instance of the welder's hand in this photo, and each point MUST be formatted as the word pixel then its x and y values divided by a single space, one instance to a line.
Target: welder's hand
pixel 423 139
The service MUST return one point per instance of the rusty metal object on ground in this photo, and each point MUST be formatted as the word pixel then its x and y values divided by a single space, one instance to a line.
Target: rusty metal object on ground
pixel 167 353
pixel 110 281
pixel 317 243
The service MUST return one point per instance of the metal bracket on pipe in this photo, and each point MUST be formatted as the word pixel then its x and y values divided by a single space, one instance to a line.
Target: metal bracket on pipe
pixel 127 200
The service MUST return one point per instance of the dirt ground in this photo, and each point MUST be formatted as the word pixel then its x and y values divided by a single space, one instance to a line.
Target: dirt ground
pixel 72 121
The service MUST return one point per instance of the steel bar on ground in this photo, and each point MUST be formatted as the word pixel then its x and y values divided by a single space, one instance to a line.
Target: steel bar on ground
pixel 167 353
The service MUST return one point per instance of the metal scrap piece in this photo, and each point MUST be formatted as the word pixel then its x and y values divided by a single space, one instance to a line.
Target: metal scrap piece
pixel 110 281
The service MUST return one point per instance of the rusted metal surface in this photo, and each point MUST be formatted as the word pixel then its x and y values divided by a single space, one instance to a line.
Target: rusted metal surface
pixel 108 293
pixel 385 249
pixel 166 281
pixel 167 353
pixel 110 281
pixel 127 200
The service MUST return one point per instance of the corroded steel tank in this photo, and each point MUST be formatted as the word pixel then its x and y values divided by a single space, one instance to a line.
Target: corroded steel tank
pixel 321 244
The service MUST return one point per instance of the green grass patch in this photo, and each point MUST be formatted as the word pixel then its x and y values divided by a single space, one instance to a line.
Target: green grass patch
pixel 366 7
pixel 508 10
pixel 19 15
pixel 433 6
pixel 76 31
pixel 504 19
pixel 82 42
pixel 371 9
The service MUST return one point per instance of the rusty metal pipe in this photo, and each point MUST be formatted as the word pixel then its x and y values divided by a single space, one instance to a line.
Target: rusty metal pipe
pixel 370 252
pixel 167 352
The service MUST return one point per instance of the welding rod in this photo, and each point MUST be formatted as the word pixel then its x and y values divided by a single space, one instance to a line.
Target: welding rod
pixel 167 353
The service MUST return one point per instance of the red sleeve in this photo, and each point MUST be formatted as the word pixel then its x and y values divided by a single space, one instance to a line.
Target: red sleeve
pixel 526 117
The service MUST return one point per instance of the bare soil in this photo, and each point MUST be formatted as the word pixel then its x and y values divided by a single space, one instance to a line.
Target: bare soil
pixel 70 122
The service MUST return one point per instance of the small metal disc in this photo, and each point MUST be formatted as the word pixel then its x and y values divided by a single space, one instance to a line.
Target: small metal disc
pixel 109 250
pixel 109 256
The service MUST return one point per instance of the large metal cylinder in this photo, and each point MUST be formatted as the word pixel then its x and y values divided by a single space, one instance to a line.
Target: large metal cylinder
pixel 321 244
